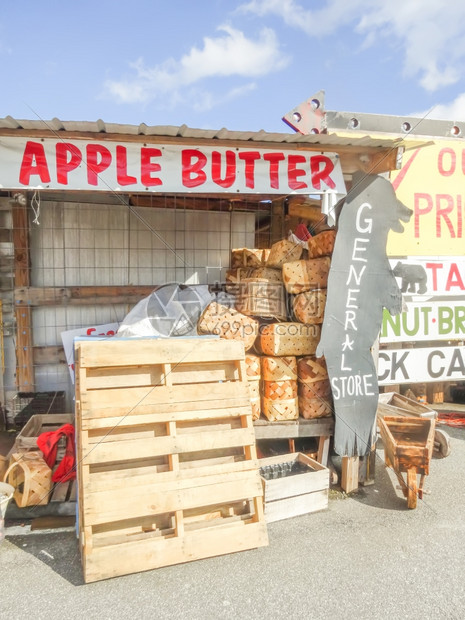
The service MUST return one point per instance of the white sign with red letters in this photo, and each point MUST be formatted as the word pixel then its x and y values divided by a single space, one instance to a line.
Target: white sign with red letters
pixel 51 163
pixel 108 330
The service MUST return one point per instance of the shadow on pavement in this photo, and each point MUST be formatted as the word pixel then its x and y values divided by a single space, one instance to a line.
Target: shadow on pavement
pixel 58 550
pixel 382 494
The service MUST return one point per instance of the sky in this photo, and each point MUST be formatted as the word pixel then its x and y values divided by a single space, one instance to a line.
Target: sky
pixel 242 65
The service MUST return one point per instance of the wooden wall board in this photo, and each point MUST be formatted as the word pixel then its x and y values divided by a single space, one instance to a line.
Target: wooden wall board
pixel 168 470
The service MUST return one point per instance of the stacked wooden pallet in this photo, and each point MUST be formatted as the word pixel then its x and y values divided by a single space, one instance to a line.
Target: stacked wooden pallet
pixel 167 471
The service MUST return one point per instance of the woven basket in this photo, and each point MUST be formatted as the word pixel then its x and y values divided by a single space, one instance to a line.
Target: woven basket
pixel 228 323
pixel 311 369
pixel 31 477
pixel 280 390
pixel 261 298
pixel 306 275
pixel 309 307
pixel 283 339
pixel 283 252
pixel 315 399
pixel 315 408
pixel 279 368
pixel 322 244
pixel 252 367
pixel 245 257
pixel 276 410
pixel 267 273
pixel 318 389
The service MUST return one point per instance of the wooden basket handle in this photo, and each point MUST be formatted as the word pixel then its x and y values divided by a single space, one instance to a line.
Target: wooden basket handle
pixel 19 497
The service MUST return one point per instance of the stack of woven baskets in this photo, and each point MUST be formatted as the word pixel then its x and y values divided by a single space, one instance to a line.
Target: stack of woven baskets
pixel 280 296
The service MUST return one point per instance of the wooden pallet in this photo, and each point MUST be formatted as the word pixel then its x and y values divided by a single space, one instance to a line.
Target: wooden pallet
pixel 168 471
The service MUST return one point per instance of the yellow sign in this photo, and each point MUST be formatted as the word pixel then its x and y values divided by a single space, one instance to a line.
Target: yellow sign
pixel 431 182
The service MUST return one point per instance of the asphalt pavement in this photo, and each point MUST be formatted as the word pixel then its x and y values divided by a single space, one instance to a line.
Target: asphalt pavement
pixel 366 557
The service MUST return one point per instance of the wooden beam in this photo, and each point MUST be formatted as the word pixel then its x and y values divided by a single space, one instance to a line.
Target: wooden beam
pixel 277 221
pixel 349 477
pixel 80 295
pixel 312 213
pixel 203 202
pixel 25 369
pixel 377 163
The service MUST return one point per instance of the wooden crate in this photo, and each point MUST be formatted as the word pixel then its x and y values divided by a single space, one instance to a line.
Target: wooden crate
pixel 26 441
pixel 391 403
pixel 37 424
pixel 168 471
pixel 298 494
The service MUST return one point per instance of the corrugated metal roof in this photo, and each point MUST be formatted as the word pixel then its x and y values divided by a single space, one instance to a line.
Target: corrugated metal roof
pixel 99 126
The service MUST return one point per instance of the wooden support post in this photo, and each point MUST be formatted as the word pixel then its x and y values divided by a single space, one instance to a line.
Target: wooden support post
pixel 349 478
pixel 25 370
pixel 277 221
pixel 323 450
pixel 366 474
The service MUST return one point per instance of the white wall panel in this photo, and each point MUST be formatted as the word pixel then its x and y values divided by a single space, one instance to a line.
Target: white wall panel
pixel 107 245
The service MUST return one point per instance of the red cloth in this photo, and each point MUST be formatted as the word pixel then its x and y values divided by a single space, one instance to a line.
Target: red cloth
pixel 452 418
pixel 302 232
pixel 48 443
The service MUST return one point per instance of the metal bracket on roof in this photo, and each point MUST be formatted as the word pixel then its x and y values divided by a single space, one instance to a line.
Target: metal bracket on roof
pixel 310 117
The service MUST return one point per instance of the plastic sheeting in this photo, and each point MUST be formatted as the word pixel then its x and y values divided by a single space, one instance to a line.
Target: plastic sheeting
pixel 172 310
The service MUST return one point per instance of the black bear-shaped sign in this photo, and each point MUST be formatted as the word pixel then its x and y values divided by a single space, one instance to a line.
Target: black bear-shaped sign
pixel 414 278
pixel 360 284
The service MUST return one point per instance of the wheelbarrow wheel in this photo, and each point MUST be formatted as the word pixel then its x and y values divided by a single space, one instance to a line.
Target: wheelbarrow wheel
pixel 412 490
pixel 441 444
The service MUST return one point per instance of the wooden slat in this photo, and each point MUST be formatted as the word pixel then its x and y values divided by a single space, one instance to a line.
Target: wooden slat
pixel 79 295
pixel 134 419
pixel 147 554
pixel 60 492
pixel 152 375
pixel 158 499
pixel 115 352
pixel 116 451
pixel 122 377
pixel 123 433
pixel 294 506
pixel 113 480
pixel 108 403
pixel 294 428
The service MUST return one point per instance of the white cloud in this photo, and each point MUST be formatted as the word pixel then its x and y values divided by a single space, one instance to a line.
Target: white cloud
pixel 453 111
pixel 431 34
pixel 316 23
pixel 204 101
pixel 230 54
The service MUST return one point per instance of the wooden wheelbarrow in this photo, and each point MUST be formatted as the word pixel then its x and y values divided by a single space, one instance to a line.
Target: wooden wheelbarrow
pixel 408 447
